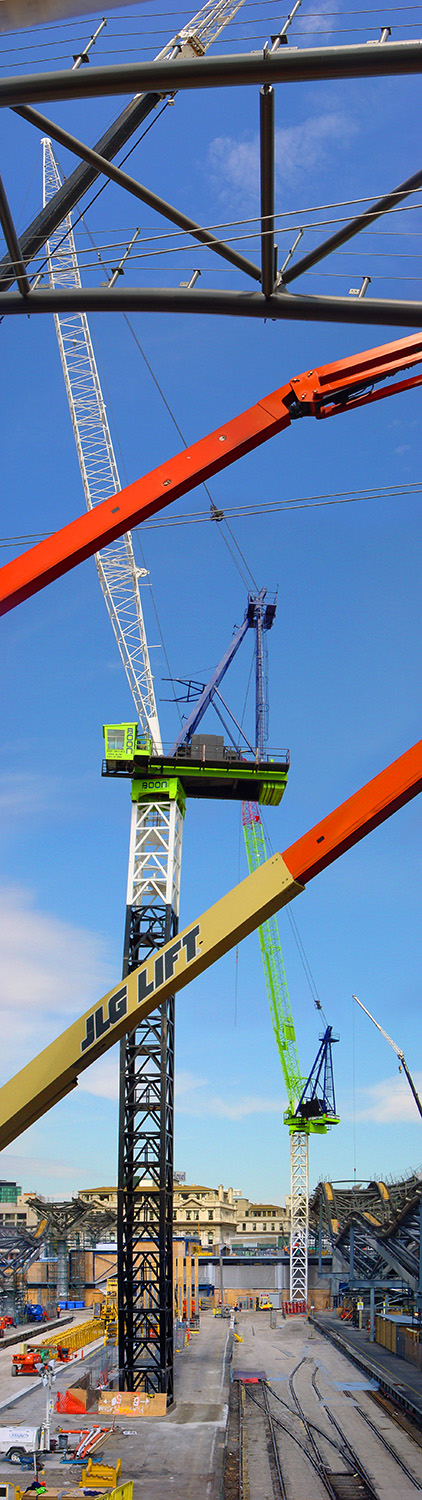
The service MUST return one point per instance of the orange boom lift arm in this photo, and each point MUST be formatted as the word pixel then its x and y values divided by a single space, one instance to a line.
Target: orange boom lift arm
pixel 323 392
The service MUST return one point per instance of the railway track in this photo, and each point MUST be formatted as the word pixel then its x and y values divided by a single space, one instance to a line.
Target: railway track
pixel 286 1447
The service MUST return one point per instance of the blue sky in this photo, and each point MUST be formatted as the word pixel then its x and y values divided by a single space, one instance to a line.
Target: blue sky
pixel 344 653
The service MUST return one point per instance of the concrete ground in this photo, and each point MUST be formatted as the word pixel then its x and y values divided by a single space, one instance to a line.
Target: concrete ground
pixel 13 1388
pixel 403 1377
pixel 180 1455
pixel 297 1347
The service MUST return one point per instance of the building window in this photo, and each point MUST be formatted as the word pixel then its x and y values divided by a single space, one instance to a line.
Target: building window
pixel 254 1226
pixel 210 1239
pixel 243 1226
pixel 264 1226
pixel 210 1213
pixel 272 1228
pixel 188 1214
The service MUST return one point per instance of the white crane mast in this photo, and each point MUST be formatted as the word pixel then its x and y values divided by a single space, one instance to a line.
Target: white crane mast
pixel 117 570
pixel 116 566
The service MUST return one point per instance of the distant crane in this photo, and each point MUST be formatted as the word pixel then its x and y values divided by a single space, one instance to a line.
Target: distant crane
pixel 311 1102
pixel 397 1050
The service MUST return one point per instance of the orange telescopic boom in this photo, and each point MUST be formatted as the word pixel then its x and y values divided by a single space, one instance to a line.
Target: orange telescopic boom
pixel 323 392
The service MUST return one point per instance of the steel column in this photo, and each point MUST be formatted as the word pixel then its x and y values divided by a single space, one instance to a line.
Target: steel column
pixel 266 118
pixel 419 1291
pixel 146 1114
pixel 372 1314
pixel 299 1216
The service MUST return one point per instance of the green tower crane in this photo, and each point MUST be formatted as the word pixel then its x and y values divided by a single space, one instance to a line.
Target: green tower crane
pixel 311 1102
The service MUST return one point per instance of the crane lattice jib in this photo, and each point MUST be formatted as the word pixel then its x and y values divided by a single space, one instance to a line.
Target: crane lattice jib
pixel 204 28
pixel 272 958
pixel 116 566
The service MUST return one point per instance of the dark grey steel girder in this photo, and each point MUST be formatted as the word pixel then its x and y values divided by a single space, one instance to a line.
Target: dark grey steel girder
pixel 362 221
pixel 380 312
pixel 35 236
pixel 288 65
pixel 268 253
pixel 138 190
pixel 12 242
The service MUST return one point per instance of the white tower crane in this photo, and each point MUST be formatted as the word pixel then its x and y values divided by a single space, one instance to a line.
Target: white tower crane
pixel 153 888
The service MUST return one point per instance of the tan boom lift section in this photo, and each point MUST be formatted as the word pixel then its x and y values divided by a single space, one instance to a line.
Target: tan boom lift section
pixel 55 1071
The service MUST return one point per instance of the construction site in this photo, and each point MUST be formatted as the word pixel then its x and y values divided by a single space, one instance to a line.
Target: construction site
pixel 256 693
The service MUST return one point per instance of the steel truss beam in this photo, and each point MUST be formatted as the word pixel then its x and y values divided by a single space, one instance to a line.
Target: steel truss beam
pixel 281 307
pixel 137 189
pixel 362 221
pixel 34 237
pixel 204 27
pixel 301 65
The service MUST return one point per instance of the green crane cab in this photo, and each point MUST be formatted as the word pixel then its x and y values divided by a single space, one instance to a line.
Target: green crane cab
pixel 122 742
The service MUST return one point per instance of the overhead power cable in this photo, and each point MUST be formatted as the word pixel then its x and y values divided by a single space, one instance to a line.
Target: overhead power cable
pixel 70 24
pixel 308 502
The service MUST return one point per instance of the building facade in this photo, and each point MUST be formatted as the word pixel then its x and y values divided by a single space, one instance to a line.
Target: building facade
pixel 216 1217
pixel 14 1206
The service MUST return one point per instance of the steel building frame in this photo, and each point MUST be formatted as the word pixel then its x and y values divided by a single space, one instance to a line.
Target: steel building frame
pixel 164 78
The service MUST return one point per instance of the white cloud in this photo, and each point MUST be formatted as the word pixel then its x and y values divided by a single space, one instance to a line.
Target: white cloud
pixel 300 150
pixel 193 1096
pixel 317 19
pixel 391 1101
pixel 27 1170
pixel 102 1078
pixel 50 972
